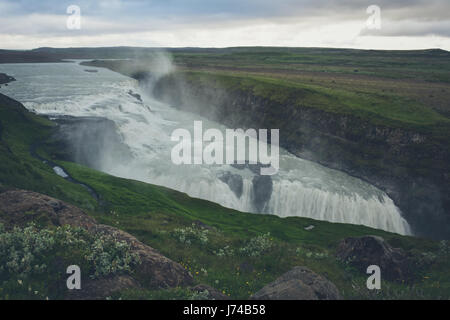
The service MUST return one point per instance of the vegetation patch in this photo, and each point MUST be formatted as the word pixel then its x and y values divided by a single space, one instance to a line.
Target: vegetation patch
pixel 33 260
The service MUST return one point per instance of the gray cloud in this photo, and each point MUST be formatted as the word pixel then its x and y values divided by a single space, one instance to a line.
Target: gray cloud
pixel 410 28
pixel 431 9
pixel 46 18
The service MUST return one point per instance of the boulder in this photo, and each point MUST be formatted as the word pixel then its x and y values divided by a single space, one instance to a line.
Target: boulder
pixel 157 270
pixel 262 191
pixel 19 207
pixel 300 283
pixel 234 181
pixel 4 79
pixel 364 251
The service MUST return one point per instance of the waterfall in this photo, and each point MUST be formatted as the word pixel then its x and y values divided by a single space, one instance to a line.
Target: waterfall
pixel 300 188
pixel 294 199
pixel 291 198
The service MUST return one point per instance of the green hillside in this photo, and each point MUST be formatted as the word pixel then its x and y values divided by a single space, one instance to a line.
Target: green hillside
pixel 235 252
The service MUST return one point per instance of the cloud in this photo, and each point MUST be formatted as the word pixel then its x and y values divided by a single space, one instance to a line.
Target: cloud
pixel 410 28
pixel 224 22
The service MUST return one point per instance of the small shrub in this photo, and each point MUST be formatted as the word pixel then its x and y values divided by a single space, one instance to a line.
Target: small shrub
pixel 33 261
pixel 224 252
pixel 257 246
pixel 200 295
pixel 191 235
pixel 110 256
pixel 311 254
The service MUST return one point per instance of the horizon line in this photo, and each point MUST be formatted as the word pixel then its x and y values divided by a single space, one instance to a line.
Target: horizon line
pixel 218 48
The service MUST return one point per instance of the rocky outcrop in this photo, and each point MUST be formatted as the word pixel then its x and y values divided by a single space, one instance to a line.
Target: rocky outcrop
pixel 5 79
pixel 157 270
pixel 262 190
pixel 91 141
pixel 372 250
pixel 299 284
pixel 19 207
pixel 262 184
pixel 135 95
pixel 234 182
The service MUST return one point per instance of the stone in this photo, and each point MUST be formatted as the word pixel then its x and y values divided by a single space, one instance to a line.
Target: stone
pixel 19 207
pixel 262 191
pixel 364 251
pixel 300 283
pixel 234 182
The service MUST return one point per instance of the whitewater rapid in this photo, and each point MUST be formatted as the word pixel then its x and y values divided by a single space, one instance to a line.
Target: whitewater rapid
pixel 300 188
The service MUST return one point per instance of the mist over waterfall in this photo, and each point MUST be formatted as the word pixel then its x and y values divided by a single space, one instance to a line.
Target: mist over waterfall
pixel 144 126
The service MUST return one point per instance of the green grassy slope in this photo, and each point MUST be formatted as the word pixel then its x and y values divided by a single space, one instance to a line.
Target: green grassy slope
pixel 170 222
pixel 405 89
pixel 19 129
pixel 384 109
pixel 429 65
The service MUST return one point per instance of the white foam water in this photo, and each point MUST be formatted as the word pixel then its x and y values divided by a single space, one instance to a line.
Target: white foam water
pixel 300 188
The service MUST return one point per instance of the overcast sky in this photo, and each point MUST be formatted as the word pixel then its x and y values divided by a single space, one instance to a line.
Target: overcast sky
pixel 404 24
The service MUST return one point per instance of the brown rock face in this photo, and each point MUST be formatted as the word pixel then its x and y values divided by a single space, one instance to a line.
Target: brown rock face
pixel 19 207
pixel 372 250
pixel 299 284
pixel 157 270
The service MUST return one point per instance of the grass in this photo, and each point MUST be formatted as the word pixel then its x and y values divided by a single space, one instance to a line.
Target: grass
pixel 427 65
pixel 405 89
pixel 155 215
pixel 386 109
pixel 19 131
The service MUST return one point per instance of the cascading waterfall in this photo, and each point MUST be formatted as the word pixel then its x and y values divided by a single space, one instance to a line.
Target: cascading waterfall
pixel 300 188
pixel 293 199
